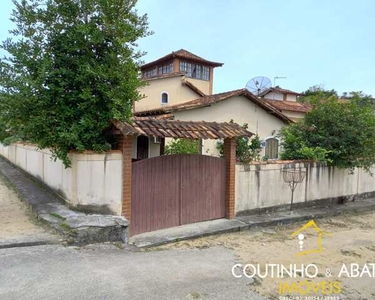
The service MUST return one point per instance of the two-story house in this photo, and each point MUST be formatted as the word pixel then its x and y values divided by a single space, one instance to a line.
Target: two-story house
pixel 176 78
pixel 180 86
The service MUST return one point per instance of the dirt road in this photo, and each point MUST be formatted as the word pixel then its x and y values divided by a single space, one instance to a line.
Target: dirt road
pixel 346 240
pixel 17 225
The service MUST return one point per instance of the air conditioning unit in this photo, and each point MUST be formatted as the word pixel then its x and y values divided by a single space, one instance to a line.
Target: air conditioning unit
pixel 156 140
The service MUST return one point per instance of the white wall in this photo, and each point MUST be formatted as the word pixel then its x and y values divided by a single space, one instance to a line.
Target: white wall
pixel 93 181
pixel 274 96
pixel 280 96
pixel 178 93
pixel 294 114
pixel 262 185
pixel 291 97
pixel 239 109
pixel 203 85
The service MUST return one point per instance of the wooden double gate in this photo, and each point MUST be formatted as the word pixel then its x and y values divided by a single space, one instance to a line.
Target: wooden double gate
pixel 173 190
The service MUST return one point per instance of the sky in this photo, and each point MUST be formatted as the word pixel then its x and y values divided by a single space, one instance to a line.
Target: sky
pixel 311 42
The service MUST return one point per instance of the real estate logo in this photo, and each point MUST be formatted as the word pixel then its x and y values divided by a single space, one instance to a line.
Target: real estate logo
pixel 296 280
pixel 311 224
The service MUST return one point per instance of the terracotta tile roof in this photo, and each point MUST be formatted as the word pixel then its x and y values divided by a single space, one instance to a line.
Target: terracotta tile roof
pixel 288 105
pixel 212 99
pixel 193 88
pixel 182 54
pixel 278 90
pixel 181 129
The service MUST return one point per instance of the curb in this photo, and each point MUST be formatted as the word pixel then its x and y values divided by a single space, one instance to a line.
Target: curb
pixel 28 244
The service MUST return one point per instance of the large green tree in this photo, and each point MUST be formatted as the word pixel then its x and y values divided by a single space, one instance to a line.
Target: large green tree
pixel 316 91
pixel 339 132
pixel 72 66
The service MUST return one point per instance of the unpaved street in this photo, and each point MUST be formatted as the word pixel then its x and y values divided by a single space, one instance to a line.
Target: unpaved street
pixel 348 239
pixel 17 225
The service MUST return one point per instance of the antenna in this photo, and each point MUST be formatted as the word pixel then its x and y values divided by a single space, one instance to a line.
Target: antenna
pixel 258 84
pixel 277 77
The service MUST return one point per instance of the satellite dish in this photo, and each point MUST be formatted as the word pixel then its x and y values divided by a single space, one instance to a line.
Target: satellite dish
pixel 258 85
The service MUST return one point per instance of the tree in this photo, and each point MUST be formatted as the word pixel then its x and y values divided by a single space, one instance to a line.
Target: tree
pixel 182 146
pixel 360 97
pixel 316 91
pixel 341 133
pixel 72 68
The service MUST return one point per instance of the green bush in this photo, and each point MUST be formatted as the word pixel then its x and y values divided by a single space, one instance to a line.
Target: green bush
pixel 182 146
pixel 340 133
pixel 247 149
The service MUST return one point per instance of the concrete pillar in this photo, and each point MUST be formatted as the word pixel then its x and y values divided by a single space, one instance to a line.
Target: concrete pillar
pixel 230 161
pixel 125 145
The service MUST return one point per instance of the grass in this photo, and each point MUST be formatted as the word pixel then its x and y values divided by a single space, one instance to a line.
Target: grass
pixel 119 245
pixel 65 226
pixel 56 215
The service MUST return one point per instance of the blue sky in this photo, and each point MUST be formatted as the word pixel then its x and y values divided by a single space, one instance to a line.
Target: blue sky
pixel 308 41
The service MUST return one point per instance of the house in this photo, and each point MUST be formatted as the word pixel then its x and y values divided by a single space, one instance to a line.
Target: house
pixel 285 101
pixel 180 87
pixel 240 106
pixel 175 78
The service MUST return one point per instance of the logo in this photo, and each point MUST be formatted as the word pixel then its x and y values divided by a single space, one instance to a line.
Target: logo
pixel 311 224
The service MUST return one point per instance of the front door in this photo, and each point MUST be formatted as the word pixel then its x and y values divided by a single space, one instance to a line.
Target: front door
pixel 142 147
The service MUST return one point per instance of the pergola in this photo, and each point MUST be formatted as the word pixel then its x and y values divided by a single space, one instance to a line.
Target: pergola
pixel 181 129
pixel 162 128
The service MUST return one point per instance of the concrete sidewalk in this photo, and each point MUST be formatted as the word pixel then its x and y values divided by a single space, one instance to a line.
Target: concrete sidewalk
pixel 196 230
pixel 76 227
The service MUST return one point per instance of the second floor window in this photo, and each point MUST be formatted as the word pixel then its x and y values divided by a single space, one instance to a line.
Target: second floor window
pixel 195 71
pixel 150 73
pixel 166 69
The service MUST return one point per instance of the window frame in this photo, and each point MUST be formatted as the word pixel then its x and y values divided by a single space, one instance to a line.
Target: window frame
pixel 161 98
pixel 278 147
pixel 195 70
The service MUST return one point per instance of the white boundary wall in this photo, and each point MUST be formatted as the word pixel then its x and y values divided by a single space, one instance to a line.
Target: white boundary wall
pixel 262 185
pixel 94 180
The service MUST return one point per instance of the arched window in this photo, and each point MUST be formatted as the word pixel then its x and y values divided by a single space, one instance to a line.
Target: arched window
pixel 272 148
pixel 164 98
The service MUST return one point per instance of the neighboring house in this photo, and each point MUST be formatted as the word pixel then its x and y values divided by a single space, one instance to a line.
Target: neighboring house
pixel 240 106
pixel 285 101
pixel 178 77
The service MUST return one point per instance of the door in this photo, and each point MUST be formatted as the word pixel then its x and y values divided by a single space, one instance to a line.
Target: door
pixel 142 147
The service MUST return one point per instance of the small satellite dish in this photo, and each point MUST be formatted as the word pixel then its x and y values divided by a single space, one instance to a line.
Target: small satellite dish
pixel 258 85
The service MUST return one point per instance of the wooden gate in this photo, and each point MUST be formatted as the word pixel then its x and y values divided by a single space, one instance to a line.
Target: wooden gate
pixel 173 190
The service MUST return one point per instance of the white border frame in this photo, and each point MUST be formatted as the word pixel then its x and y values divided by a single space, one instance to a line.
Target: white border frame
pixel 161 98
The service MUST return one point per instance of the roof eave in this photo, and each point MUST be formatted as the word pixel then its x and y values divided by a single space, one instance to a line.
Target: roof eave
pixel 176 55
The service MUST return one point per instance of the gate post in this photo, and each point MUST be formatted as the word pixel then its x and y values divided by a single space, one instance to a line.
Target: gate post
pixel 230 162
pixel 125 145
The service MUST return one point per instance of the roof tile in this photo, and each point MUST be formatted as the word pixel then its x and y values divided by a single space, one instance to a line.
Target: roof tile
pixel 288 105
pixel 212 99
pixel 183 54
pixel 182 129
